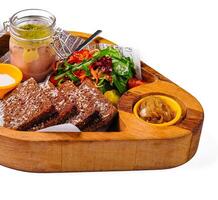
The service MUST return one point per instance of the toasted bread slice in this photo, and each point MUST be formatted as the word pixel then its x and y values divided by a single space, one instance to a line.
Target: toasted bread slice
pixel 27 106
pixel 86 112
pixel 64 106
pixel 106 110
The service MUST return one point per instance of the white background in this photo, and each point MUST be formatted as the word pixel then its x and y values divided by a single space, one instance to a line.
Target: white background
pixel 177 38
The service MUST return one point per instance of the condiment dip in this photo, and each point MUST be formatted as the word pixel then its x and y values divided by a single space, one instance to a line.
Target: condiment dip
pixel 158 110
pixel 6 79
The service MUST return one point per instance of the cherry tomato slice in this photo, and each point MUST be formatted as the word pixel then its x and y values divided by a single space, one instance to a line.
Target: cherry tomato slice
pixel 133 82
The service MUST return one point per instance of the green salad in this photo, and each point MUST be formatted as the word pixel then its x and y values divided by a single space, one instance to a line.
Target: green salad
pixel 107 68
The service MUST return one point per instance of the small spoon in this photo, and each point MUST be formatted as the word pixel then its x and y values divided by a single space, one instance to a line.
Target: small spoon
pixel 88 40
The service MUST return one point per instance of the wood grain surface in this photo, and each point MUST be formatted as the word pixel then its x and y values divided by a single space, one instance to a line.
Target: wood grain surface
pixel 134 145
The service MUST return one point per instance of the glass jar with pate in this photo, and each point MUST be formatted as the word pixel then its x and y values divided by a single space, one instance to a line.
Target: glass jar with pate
pixel 30 46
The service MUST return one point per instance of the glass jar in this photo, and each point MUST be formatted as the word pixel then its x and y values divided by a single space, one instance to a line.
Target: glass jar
pixel 30 46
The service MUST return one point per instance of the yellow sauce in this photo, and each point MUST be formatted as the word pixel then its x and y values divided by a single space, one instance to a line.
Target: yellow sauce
pixel 34 31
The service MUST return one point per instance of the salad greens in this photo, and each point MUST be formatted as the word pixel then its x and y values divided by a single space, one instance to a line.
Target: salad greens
pixel 108 68
pixel 123 69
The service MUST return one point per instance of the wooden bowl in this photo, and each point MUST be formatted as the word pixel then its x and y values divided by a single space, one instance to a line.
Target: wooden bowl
pixel 130 144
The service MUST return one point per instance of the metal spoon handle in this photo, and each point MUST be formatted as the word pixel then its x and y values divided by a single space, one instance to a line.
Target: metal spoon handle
pixel 88 40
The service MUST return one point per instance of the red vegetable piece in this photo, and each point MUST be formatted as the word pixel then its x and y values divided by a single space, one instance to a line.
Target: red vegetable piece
pixel 134 82
pixel 52 80
pixel 79 56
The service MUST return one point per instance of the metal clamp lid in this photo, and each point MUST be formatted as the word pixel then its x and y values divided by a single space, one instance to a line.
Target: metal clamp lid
pixel 4 27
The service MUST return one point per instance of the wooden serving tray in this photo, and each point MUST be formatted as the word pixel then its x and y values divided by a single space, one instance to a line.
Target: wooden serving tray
pixel 131 145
